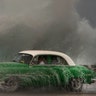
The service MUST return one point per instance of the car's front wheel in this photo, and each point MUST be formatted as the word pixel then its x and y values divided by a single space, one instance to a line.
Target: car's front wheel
pixel 76 84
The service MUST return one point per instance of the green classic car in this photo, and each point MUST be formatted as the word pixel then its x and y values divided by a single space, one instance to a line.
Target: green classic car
pixel 37 69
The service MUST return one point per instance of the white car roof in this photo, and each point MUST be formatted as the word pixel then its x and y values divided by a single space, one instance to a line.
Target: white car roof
pixel 43 52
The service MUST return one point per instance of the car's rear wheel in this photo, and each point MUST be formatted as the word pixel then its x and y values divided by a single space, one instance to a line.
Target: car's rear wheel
pixel 11 84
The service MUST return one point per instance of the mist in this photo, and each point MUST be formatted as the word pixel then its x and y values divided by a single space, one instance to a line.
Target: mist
pixel 47 25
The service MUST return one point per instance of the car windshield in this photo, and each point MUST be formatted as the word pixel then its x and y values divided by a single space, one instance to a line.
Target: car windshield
pixel 23 58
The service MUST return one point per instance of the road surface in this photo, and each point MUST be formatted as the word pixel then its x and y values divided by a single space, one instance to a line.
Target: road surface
pixel 88 90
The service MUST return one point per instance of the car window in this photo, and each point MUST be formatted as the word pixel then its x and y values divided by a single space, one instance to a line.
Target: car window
pixel 23 58
pixel 49 59
pixel 58 60
pixel 39 60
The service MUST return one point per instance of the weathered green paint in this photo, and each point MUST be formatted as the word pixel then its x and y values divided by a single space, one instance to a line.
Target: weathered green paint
pixel 44 75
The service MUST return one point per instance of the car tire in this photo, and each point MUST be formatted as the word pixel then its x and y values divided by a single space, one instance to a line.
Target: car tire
pixel 11 84
pixel 76 85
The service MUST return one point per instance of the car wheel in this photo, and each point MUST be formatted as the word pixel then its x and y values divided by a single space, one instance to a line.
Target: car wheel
pixel 11 84
pixel 76 85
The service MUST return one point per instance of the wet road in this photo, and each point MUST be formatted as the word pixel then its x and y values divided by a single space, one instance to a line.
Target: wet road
pixel 21 94
pixel 88 90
